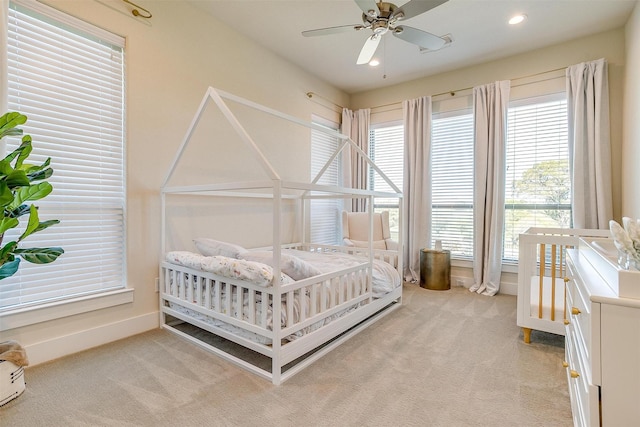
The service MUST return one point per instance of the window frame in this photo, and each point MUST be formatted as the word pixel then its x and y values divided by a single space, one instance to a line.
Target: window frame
pixel 556 96
pixel 334 169
pixel 393 208
pixel 461 260
pixel 33 313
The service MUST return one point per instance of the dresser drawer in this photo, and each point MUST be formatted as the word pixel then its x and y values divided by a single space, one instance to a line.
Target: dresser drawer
pixel 579 388
pixel 579 315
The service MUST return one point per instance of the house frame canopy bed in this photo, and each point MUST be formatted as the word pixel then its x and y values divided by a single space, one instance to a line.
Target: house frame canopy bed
pixel 322 294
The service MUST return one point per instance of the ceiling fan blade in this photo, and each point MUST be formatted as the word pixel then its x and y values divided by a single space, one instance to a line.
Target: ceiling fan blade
pixel 419 37
pixel 415 8
pixel 369 48
pixel 332 30
pixel 369 7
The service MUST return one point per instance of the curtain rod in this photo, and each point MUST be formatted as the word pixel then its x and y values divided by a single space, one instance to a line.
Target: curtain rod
pixel 453 92
pixel 311 95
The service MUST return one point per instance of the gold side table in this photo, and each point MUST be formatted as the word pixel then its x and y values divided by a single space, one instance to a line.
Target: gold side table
pixel 435 269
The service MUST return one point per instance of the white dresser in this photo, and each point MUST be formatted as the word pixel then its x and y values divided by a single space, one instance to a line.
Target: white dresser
pixel 602 343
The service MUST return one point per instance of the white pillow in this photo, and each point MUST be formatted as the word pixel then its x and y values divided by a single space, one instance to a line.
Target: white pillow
pixel 188 259
pixel 290 265
pixel 249 271
pixel 211 247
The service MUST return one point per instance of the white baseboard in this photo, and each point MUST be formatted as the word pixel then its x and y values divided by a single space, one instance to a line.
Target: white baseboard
pixel 63 346
pixel 509 288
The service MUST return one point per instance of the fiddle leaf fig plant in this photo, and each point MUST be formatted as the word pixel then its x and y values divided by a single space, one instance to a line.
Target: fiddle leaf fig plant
pixel 20 184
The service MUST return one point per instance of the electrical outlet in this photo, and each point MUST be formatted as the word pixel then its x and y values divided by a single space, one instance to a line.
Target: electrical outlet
pixel 157 284
pixel 459 282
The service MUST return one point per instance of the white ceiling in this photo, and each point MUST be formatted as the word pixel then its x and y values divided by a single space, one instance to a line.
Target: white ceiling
pixel 478 28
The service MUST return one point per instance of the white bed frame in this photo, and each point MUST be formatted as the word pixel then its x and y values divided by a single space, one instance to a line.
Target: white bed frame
pixel 542 277
pixel 346 304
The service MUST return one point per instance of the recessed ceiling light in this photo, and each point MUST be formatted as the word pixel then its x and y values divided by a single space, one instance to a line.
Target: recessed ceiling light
pixel 517 19
pixel 374 62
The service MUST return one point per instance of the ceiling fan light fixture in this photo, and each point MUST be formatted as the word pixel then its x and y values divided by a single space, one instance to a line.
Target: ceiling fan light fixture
pixel 517 19
pixel 382 17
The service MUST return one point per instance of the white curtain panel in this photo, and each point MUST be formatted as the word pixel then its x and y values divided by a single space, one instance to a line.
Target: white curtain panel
pixel 589 144
pixel 491 104
pixel 355 124
pixel 417 183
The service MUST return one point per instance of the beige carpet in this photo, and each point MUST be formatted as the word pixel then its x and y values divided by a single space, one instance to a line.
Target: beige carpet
pixel 445 358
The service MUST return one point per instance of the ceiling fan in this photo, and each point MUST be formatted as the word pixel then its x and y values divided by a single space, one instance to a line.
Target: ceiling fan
pixel 383 17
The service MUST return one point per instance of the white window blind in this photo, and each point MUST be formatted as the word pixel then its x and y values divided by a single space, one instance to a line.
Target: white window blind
pixel 538 187
pixel 325 213
pixel 386 149
pixel 452 181
pixel 67 76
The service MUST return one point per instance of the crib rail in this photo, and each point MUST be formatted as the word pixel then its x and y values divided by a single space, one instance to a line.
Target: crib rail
pixel 223 302
pixel 541 277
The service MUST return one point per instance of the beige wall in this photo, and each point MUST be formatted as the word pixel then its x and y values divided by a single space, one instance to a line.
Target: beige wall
pixel 609 45
pixel 631 130
pixel 170 61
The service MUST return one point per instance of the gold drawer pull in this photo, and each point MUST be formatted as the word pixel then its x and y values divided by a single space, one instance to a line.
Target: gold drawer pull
pixel 575 311
pixel 566 321
pixel 574 374
pixel 566 279
pixel 565 364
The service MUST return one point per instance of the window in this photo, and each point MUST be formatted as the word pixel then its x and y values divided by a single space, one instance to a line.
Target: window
pixel 67 76
pixel 452 181
pixel 538 186
pixel 325 213
pixel 386 149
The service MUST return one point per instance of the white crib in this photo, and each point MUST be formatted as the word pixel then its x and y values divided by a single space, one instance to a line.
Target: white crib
pixel 542 277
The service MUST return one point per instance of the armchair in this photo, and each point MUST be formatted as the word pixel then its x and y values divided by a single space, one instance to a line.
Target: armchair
pixel 355 230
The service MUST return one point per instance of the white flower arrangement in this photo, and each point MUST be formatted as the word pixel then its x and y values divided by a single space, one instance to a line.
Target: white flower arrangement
pixel 627 241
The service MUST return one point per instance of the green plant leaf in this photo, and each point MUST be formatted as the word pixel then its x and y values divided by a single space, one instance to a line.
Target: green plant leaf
pixel 26 150
pixel 40 175
pixel 12 119
pixel 30 168
pixel 8 269
pixel 17 178
pixel 8 123
pixel 45 224
pixel 18 212
pixel 40 255
pixel 26 145
pixel 7 224
pixel 6 195
pixel 5 167
pixel 6 251
pixel 32 192
pixel 32 224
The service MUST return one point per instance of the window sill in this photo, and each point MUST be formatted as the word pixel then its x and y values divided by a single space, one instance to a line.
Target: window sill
pixel 42 313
